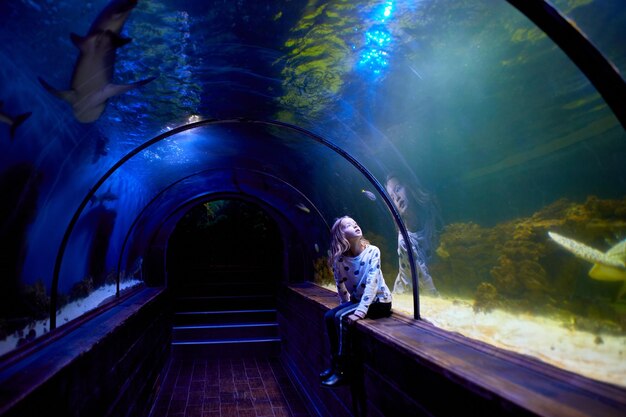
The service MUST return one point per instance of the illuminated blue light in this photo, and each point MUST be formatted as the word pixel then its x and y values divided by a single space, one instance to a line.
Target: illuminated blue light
pixel 375 51
pixel 378 37
pixel 384 11
pixel 375 59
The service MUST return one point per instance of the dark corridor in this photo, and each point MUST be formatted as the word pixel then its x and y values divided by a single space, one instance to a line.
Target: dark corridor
pixel 224 262
pixel 228 387
pixel 224 235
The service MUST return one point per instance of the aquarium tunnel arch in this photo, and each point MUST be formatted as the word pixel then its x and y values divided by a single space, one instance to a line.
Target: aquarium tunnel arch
pixel 171 133
pixel 479 144
pixel 206 196
pixel 161 238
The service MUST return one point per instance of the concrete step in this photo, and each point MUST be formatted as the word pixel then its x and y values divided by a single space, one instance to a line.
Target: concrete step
pixel 211 275
pixel 224 288
pixel 187 318
pixel 224 303
pixel 231 331
pixel 241 347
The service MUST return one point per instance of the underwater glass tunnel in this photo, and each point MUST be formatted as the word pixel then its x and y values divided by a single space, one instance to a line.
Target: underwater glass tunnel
pixel 490 134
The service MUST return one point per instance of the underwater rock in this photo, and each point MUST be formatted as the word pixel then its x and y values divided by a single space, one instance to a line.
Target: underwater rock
pixel 82 289
pixel 37 298
pixel 442 252
pixel 322 274
pixel 469 256
pixel 486 298
pixel 521 273
pixel 504 276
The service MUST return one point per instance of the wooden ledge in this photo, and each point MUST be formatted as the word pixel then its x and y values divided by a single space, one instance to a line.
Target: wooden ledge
pixel 526 382
pixel 25 375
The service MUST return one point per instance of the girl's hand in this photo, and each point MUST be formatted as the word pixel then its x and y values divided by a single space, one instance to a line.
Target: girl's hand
pixel 352 318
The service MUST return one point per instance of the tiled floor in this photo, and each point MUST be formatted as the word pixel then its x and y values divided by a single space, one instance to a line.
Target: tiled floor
pixel 243 387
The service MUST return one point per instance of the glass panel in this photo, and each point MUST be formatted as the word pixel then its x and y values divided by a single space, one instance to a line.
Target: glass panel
pixel 603 22
pixel 207 160
pixel 511 147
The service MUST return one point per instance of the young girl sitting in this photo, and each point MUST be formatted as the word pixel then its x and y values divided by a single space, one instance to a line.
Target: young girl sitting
pixel 361 287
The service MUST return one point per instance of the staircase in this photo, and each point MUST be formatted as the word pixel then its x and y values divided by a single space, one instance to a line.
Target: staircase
pixel 225 313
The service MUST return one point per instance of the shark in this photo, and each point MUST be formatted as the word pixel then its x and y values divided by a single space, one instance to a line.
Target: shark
pixel 113 16
pixel 91 83
pixel 13 122
pixel 607 266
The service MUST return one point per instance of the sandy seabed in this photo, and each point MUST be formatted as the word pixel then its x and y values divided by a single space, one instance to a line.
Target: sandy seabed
pixel 597 356
pixel 67 313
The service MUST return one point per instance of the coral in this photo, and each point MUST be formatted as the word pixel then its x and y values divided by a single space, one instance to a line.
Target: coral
pixel 486 298
pixel 469 253
pixel 504 276
pixel 442 252
pixel 82 289
pixel 527 270
pixel 389 259
pixel 32 334
pixel 36 297
pixel 322 275
pixel 111 277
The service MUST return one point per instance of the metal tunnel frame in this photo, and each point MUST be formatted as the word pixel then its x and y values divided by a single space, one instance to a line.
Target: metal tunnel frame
pixel 370 177
pixel 268 209
pixel 199 197
pixel 599 70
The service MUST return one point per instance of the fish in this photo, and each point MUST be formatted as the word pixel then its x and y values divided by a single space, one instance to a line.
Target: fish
pixel 369 195
pixel 102 198
pixel 13 122
pixel 303 208
pixel 113 16
pixel 101 148
pixel 415 72
pixel 607 266
pixel 90 85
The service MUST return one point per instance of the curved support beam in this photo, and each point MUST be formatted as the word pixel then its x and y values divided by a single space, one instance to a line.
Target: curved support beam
pixel 599 70
pixel 165 226
pixel 382 191
pixel 185 204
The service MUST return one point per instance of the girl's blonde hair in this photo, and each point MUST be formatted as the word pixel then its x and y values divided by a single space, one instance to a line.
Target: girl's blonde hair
pixel 338 242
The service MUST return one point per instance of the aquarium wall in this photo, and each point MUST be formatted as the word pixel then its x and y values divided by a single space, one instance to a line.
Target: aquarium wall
pixel 463 136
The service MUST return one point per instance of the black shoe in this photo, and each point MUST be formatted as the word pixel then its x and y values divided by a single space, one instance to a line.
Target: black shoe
pixel 335 380
pixel 325 374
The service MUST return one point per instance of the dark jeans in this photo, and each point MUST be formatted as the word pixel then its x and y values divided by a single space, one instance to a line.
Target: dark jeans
pixel 336 328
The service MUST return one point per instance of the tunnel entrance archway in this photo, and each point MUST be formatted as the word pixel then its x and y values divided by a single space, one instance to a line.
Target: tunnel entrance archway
pixel 224 260
pixel 224 236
